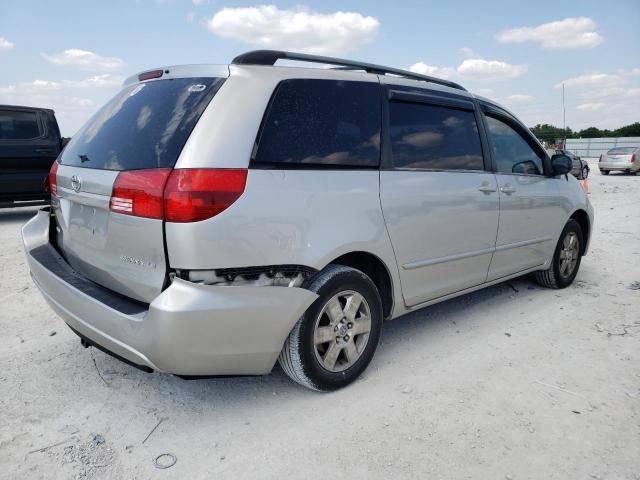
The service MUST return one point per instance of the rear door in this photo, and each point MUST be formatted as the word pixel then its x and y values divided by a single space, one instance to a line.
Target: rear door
pixel 27 151
pixel 532 209
pixel 133 142
pixel 440 205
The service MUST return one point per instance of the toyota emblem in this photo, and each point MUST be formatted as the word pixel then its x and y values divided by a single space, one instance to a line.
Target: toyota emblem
pixel 76 183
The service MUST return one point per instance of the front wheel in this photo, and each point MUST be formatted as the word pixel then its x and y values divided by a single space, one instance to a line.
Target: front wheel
pixel 604 172
pixel 566 258
pixel 334 341
pixel 585 172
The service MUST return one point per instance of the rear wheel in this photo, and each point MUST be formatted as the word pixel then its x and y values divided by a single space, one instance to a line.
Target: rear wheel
pixel 604 172
pixel 334 341
pixel 566 258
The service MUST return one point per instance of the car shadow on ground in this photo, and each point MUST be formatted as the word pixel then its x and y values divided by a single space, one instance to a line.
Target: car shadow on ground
pixel 18 214
pixel 437 320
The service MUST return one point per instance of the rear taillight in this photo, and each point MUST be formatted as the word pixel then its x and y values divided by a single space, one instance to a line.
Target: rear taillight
pixel 51 182
pixel 194 194
pixel 633 158
pixel 139 193
pixel 181 195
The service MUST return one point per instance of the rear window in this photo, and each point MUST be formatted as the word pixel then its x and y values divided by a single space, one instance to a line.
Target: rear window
pixel 144 126
pixel 16 125
pixel 434 137
pixel 621 150
pixel 321 122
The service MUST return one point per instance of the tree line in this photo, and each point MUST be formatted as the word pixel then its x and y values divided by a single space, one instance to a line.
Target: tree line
pixel 549 133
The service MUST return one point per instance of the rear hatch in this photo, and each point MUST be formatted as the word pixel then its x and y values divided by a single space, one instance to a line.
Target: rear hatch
pixel 136 137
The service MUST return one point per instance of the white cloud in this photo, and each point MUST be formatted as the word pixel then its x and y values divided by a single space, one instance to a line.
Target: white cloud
pixel 267 26
pixel 101 81
pixel 520 98
pixel 198 3
pixel 424 69
pixel 473 69
pixel 84 59
pixel 466 52
pixel 602 99
pixel 486 92
pixel 490 69
pixel 591 79
pixel 591 106
pixel 635 71
pixel 568 33
pixel 73 100
pixel 38 86
pixel 5 44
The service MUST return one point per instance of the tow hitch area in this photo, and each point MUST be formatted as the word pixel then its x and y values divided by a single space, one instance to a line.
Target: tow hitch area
pixel 86 343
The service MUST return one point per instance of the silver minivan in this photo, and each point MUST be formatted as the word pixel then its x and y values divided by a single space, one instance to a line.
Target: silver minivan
pixel 212 220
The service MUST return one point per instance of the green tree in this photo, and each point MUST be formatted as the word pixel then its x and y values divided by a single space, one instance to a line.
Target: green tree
pixel 550 133
pixel 632 130
pixel 591 132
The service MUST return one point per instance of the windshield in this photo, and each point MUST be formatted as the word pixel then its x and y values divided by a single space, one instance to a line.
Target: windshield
pixel 144 126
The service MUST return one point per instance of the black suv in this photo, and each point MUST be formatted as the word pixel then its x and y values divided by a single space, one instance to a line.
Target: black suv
pixel 30 141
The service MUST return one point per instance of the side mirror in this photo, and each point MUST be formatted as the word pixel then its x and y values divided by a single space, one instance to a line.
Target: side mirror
pixel 561 164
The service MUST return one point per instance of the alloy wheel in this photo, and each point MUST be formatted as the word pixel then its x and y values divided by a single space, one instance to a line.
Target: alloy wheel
pixel 569 254
pixel 342 331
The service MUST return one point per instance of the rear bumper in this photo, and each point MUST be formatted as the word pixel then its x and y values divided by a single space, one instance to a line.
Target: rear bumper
pixel 189 329
pixel 619 166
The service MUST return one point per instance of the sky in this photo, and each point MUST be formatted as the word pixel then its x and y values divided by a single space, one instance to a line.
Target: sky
pixel 72 56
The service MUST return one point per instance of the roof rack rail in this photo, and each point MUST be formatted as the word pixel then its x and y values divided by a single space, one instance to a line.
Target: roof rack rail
pixel 270 57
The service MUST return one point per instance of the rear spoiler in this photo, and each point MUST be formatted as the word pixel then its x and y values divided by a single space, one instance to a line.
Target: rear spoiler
pixel 178 71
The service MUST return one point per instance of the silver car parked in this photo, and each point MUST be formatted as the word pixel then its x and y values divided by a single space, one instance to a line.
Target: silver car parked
pixel 622 159
pixel 212 220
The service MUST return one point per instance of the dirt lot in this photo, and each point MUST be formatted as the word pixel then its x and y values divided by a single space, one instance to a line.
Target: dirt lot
pixel 513 382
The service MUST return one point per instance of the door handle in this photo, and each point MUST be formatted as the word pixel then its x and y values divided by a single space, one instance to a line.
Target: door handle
pixel 508 189
pixel 44 150
pixel 486 188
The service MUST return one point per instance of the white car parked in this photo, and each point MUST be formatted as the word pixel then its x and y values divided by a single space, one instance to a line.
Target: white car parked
pixel 622 159
pixel 211 220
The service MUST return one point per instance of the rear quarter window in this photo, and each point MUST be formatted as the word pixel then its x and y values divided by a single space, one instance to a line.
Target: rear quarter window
pixel 434 137
pixel 16 125
pixel 144 126
pixel 321 123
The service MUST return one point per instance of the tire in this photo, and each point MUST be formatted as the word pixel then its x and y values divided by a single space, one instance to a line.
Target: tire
pixel 306 359
pixel 604 172
pixel 559 275
pixel 585 172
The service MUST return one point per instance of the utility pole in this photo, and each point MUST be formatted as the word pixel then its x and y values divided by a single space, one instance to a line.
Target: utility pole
pixel 564 121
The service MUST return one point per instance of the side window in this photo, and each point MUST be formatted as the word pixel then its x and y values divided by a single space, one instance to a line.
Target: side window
pixel 322 122
pixel 434 137
pixel 512 152
pixel 16 125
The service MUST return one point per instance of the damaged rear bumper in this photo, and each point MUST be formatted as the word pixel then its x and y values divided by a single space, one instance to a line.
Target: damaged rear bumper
pixel 189 329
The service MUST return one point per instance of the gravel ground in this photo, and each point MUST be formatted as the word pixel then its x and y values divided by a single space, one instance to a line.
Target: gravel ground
pixel 513 382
